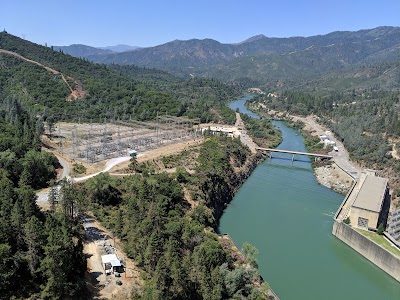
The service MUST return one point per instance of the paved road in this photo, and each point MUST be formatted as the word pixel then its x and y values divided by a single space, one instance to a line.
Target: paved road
pixel 341 157
pixel 109 165
pixel 66 170
pixel 43 195
pixel 244 137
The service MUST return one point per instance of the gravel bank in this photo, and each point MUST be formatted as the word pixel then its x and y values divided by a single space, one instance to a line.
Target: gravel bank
pixel 334 178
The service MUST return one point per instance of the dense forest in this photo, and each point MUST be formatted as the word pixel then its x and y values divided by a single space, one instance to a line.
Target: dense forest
pixel 172 240
pixel 111 92
pixel 36 248
pixel 366 120
pixel 166 221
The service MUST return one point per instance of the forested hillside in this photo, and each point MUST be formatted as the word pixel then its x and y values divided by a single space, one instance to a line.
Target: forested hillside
pixel 366 120
pixel 172 241
pixel 108 93
pixel 278 62
pixel 170 234
pixel 40 253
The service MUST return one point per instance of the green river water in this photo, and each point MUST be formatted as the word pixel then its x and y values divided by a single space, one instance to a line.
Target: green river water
pixel 283 211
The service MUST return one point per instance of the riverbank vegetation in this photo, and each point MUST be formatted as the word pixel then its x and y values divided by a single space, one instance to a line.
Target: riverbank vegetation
pixel 166 223
pixel 313 143
pixel 263 133
pixel 365 120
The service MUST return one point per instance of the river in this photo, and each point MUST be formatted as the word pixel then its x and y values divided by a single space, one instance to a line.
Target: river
pixel 283 211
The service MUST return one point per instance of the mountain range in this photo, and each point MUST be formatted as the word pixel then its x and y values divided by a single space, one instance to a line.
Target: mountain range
pixel 84 51
pixel 271 61
pixel 49 82
pixel 119 48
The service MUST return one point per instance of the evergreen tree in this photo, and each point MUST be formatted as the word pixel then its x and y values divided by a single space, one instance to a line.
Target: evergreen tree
pixel 33 236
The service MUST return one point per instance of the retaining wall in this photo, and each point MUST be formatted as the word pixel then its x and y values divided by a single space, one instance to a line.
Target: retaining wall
pixel 379 256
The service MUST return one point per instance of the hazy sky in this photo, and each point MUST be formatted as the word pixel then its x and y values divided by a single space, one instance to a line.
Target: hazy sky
pixel 153 22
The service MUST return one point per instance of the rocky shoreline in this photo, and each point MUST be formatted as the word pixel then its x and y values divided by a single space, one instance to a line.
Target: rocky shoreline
pixel 334 178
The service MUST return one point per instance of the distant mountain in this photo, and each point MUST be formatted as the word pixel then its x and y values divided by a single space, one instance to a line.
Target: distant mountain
pixel 83 51
pixel 268 59
pixel 253 38
pixel 48 82
pixel 173 56
pixel 120 48
pixel 336 54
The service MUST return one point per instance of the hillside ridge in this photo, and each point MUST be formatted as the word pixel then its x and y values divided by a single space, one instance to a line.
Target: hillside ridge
pixel 266 59
pixel 76 93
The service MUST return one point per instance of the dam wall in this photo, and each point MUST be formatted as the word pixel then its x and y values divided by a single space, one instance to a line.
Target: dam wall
pixel 379 256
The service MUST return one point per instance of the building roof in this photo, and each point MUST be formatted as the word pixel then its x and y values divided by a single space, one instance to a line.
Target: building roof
pixel 371 194
pixel 112 259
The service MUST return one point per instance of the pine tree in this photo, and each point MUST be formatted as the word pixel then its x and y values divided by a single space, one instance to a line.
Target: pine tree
pixel 33 236
pixel 53 197
pixel 26 178
pixel 17 222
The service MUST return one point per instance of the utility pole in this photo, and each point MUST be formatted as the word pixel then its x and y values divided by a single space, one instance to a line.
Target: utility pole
pixel 59 140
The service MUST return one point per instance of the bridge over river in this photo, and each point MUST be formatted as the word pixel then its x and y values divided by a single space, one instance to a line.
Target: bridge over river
pixel 295 152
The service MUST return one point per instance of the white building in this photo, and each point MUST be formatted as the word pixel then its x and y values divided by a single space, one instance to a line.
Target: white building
pixel 111 263
pixel 231 132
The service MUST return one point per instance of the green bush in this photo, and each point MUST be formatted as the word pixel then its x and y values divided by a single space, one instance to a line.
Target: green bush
pixel 79 168
pixel 381 229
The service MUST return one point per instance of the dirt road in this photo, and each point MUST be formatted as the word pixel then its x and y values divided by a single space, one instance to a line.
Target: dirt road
pixel 121 162
pixel 99 241
pixel 43 195
pixel 75 94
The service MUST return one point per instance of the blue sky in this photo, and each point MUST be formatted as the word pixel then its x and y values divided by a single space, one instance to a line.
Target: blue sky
pixel 151 22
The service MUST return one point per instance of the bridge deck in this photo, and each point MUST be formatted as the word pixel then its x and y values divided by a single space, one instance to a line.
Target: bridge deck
pixel 294 152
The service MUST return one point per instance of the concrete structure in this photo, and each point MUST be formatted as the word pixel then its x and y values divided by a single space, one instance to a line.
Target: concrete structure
pixel 294 152
pixel 379 256
pixel 228 130
pixel 111 263
pixel 394 224
pixel 371 204
pixel 326 140
pixel 367 203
